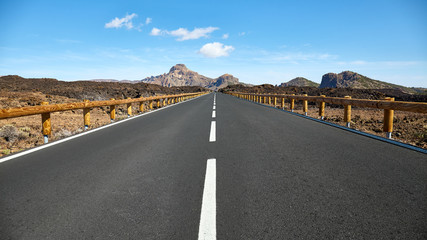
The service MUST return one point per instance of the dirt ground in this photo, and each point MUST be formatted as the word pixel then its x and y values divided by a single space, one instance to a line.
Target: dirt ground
pixel 17 134
pixel 21 133
pixel 408 127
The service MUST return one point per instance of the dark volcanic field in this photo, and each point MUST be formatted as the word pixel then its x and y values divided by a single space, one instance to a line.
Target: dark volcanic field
pixel 373 94
pixel 88 90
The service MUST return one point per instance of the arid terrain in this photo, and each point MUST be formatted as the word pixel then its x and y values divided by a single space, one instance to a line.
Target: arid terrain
pixel 21 133
pixel 408 127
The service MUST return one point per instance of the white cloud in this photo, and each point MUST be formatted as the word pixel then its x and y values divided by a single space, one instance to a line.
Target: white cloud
pixel 122 22
pixel 225 36
pixel 215 49
pixel 183 33
pixel 156 32
pixel 242 33
pixel 148 21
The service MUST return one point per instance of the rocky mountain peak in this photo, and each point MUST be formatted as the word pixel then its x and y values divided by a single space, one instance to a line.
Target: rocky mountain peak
pixel 300 82
pixel 349 79
pixel 178 67
pixel 180 75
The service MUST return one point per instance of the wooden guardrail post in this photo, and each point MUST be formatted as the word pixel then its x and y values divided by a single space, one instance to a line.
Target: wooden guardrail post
pixel 46 125
pixel 129 107
pixel 264 100
pixel 86 116
pixel 388 119
pixel 112 111
pixel 292 103
pixel 347 113
pixel 282 104
pixel 141 106
pixel 150 104
pixel 305 106
pixel 269 100
pixel 275 101
pixel 158 103
pixel 322 108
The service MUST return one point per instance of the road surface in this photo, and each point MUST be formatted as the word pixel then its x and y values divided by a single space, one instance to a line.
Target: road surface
pixel 244 172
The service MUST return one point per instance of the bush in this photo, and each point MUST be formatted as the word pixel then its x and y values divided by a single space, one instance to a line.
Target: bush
pixel 5 151
pixel 11 134
pixel 63 133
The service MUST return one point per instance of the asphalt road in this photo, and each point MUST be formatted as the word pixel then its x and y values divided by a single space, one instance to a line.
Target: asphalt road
pixel 274 176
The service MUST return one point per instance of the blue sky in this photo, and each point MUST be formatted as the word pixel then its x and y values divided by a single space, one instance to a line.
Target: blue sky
pixel 256 41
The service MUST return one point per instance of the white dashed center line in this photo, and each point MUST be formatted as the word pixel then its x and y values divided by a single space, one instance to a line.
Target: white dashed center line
pixel 207 226
pixel 213 114
pixel 212 136
pixel 214 107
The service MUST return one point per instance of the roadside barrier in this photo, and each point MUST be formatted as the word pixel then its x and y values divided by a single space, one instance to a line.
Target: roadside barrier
pixel 44 109
pixel 388 104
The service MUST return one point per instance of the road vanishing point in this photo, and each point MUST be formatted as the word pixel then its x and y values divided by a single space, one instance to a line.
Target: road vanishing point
pixel 216 167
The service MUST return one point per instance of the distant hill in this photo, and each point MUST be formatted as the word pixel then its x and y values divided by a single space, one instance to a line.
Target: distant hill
pixel 114 80
pixel 91 90
pixel 180 75
pixel 348 79
pixel 300 82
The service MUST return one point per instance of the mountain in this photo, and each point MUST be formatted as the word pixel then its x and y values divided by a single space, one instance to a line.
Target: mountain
pixel 94 91
pixel 113 80
pixel 299 82
pixel 348 79
pixel 180 75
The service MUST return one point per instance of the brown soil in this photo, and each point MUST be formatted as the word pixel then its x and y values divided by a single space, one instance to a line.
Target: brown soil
pixel 93 91
pixel 21 133
pixel 26 131
pixel 373 94
pixel 408 127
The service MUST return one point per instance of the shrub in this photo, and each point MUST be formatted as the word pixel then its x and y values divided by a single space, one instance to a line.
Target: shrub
pixel 63 133
pixel 11 134
pixel 5 151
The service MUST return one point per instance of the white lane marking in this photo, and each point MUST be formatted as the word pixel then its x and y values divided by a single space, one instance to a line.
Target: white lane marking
pixel 214 107
pixel 213 114
pixel 25 152
pixel 207 226
pixel 212 136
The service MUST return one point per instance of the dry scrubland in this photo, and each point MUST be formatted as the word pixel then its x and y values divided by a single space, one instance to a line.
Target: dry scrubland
pixel 408 127
pixel 17 134
pixel 21 133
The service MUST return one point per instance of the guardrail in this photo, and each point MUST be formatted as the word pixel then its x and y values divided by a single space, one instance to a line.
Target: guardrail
pixel 45 109
pixel 388 104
